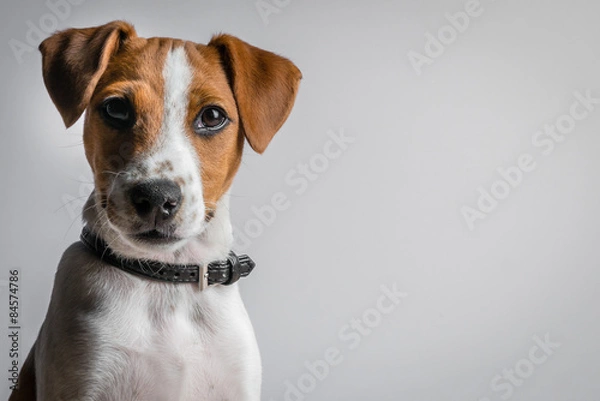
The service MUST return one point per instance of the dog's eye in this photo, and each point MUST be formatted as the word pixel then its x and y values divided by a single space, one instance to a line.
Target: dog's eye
pixel 210 120
pixel 117 112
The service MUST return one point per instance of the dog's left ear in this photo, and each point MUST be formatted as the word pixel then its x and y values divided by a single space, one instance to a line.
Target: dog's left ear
pixel 264 85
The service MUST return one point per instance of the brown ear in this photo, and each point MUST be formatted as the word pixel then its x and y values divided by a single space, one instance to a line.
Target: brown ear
pixel 74 60
pixel 264 85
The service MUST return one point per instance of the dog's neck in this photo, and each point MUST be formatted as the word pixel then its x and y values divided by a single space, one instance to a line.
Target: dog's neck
pixel 213 244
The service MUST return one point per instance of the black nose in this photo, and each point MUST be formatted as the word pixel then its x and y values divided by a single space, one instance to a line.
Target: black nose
pixel 156 201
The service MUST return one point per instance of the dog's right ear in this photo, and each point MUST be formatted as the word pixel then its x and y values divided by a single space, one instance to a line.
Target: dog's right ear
pixel 264 86
pixel 74 60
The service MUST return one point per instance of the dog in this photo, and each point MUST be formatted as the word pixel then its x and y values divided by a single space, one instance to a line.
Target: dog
pixel 146 306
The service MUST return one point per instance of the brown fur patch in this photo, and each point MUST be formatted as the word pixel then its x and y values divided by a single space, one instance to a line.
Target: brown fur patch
pixel 136 74
pixel 165 166
pixel 179 181
pixel 210 213
pixel 220 155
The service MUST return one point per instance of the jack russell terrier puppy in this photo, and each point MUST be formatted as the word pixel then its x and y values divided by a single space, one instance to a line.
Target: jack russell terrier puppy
pixel 145 306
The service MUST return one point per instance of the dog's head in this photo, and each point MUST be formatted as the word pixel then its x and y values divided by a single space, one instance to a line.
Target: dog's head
pixel 166 121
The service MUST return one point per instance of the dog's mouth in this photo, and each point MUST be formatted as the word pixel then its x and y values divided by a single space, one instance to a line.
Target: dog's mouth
pixel 157 237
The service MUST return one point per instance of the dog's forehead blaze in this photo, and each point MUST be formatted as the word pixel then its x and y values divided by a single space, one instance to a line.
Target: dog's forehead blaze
pixel 137 73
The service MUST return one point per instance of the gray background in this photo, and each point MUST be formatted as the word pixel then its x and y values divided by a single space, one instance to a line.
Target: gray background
pixel 388 210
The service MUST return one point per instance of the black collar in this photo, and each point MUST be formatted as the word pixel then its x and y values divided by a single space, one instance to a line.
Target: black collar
pixel 221 272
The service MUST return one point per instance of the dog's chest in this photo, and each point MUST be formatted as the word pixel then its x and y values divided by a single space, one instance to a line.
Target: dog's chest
pixel 174 344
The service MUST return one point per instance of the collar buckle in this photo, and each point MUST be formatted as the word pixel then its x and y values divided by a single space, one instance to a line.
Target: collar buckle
pixel 203 277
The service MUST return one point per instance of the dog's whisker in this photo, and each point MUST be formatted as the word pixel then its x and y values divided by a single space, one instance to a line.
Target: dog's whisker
pixel 116 173
pixel 238 196
pixel 76 218
pixel 71 146
pixel 70 201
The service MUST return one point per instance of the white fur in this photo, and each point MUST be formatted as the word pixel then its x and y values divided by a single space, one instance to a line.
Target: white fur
pixel 119 337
